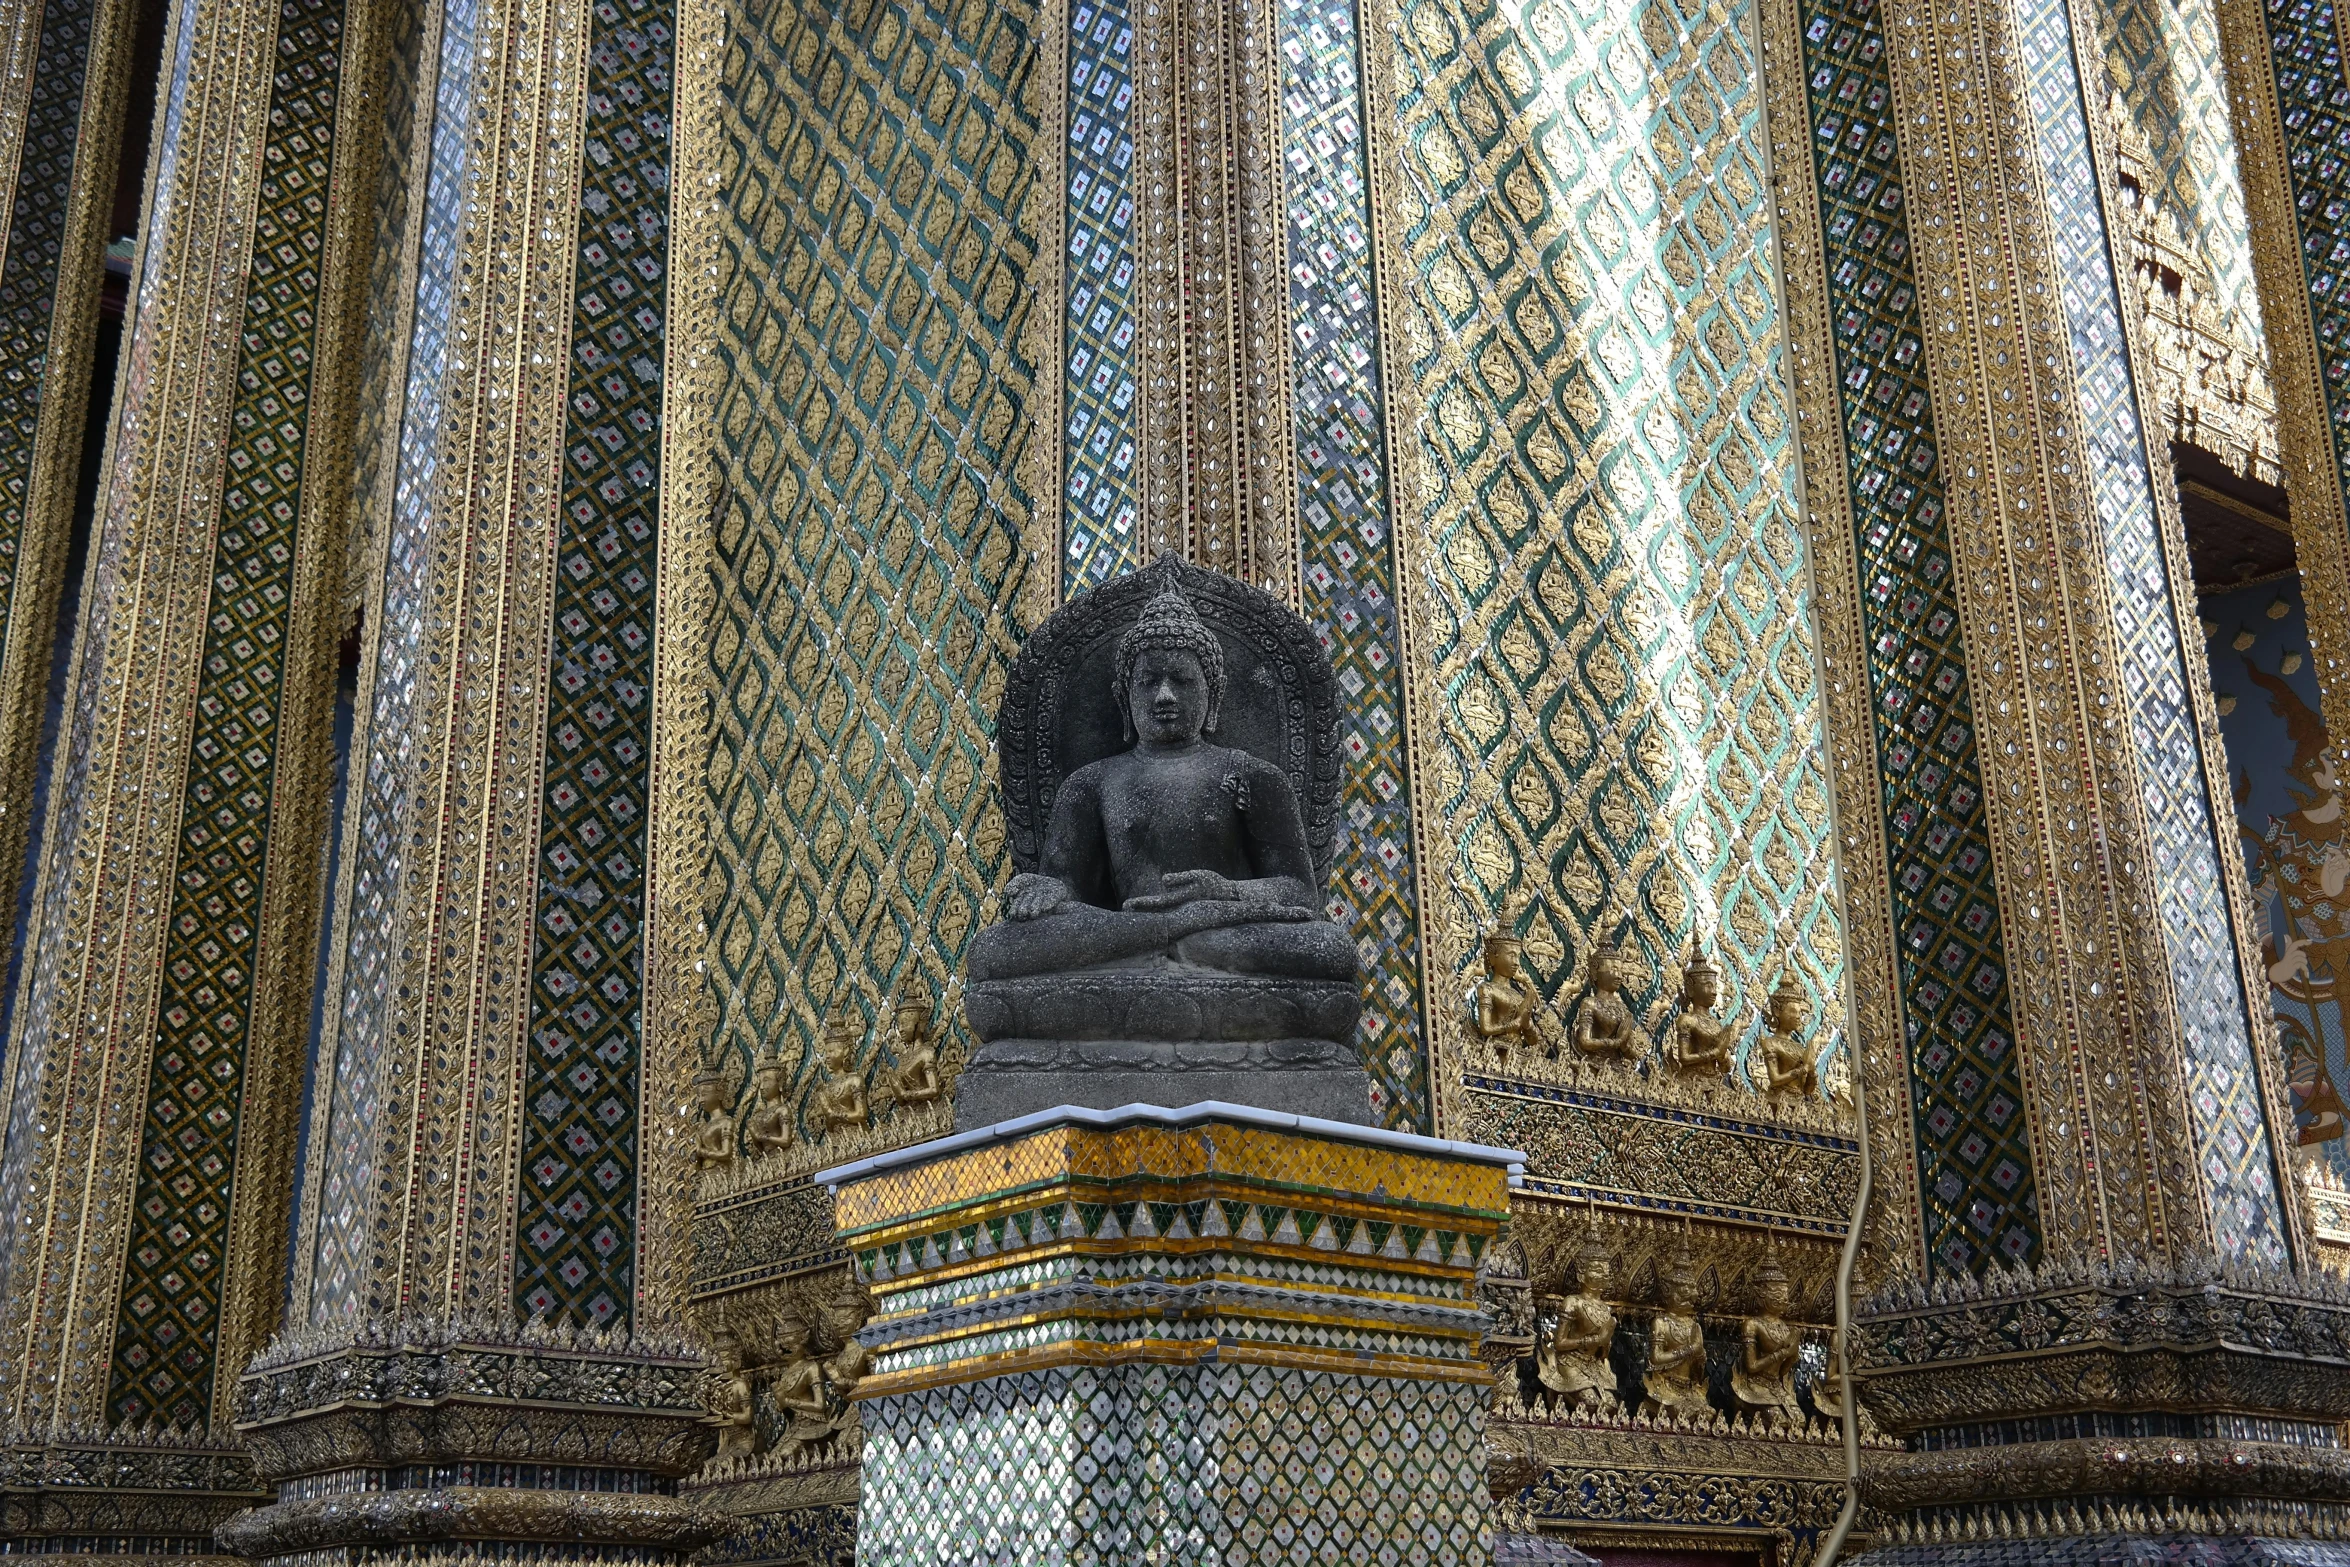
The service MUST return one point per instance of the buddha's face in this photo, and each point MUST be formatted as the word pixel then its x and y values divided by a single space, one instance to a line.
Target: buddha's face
pixel 1501 960
pixel 1787 1014
pixel 1678 1294
pixel 791 1338
pixel 770 1081
pixel 1593 1277
pixel 913 1024
pixel 713 1093
pixel 1775 1295
pixel 1168 696
pixel 1603 971
pixel 1704 989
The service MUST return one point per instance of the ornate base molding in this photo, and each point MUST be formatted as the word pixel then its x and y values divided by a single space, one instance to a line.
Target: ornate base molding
pixel 121 1493
pixel 475 1438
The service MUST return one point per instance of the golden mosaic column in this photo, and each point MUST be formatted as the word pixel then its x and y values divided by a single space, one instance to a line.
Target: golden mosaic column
pixel 64 76
pixel 156 1056
pixel 1953 286
pixel 496 1167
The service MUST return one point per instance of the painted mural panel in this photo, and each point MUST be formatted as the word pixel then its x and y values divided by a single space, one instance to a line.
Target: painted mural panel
pixel 2289 819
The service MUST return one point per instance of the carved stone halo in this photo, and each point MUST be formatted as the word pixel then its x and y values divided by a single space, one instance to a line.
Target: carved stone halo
pixel 1059 710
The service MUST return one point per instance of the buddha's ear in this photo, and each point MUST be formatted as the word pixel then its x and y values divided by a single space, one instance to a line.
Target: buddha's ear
pixel 1125 712
pixel 1215 710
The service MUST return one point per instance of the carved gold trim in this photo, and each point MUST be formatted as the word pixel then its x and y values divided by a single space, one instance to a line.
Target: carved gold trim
pixel 677 1000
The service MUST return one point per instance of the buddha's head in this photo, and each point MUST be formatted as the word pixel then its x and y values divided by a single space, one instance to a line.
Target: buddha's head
pixel 769 1076
pixel 710 1090
pixel 839 1044
pixel 1170 670
pixel 1772 1290
pixel 791 1336
pixel 913 1020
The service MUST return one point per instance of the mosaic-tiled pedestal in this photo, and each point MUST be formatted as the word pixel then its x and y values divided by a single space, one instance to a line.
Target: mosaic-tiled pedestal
pixel 1208 1336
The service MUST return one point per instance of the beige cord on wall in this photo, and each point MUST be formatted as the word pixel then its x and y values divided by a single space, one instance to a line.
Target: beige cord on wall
pixel 1843 1348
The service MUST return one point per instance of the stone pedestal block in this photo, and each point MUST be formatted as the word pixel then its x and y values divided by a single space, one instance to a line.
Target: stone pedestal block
pixel 1212 1335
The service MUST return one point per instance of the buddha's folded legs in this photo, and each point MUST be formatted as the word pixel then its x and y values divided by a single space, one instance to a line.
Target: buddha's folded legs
pixel 1311 949
pixel 1081 936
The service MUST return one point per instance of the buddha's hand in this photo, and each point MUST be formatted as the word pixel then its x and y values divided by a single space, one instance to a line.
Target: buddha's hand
pixel 1032 896
pixel 1180 887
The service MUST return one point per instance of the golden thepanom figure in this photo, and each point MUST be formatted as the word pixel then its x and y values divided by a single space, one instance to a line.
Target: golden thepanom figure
pixel 1764 1378
pixel 915 1080
pixel 1506 998
pixel 1604 1026
pixel 1700 1043
pixel 770 1124
pixel 1676 1344
pixel 714 1136
pixel 1789 1065
pixel 1573 1359
pixel 839 1101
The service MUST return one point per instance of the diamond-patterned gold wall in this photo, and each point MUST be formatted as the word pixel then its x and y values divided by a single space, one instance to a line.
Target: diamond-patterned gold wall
pixel 1614 580
pixel 868 552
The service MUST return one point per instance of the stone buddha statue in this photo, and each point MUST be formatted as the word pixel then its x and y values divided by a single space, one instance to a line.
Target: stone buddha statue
pixel 1170 766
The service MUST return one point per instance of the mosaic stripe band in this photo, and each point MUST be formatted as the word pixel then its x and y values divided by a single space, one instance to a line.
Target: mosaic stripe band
pixel 1974 1155
pixel 1346 532
pixel 580 1098
pixel 2231 1134
pixel 173 1282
